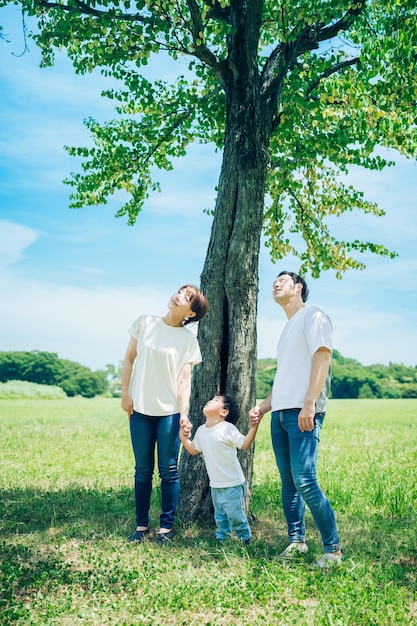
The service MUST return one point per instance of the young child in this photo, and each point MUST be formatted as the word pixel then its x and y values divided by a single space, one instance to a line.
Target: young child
pixel 217 440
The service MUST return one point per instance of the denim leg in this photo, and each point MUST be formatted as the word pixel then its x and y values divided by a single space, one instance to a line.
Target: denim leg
pixel 292 502
pixel 223 527
pixel 229 513
pixel 143 437
pixel 303 452
pixel 168 444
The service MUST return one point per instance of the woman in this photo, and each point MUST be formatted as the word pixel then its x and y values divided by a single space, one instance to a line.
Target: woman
pixel 156 396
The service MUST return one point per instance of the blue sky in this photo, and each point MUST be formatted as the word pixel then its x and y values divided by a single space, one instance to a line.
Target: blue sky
pixel 72 281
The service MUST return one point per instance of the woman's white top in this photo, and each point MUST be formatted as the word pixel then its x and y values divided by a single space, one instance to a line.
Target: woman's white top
pixel 161 353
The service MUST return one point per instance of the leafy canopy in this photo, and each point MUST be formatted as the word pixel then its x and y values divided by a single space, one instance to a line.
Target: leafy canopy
pixel 344 74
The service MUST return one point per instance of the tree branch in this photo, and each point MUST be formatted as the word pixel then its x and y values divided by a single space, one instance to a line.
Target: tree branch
pixel 332 70
pixel 81 7
pixel 216 11
pixel 202 52
pixel 343 24
pixel 284 56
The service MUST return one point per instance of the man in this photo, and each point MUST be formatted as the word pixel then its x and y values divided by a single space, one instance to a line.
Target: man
pixel 298 403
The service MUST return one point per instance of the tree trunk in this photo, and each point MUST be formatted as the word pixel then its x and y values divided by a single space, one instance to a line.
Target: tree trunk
pixel 227 335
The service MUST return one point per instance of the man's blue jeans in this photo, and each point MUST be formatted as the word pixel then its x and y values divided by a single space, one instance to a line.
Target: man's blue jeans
pixel 163 432
pixel 296 456
pixel 228 512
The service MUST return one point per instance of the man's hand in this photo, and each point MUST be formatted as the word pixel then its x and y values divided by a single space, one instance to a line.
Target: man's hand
pixel 255 416
pixel 306 417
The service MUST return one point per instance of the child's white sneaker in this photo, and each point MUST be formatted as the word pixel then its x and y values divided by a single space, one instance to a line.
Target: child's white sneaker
pixel 329 559
pixel 297 547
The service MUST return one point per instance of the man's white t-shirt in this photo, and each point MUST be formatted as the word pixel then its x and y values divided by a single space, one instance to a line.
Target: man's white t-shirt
pixel 162 351
pixel 218 445
pixel 304 333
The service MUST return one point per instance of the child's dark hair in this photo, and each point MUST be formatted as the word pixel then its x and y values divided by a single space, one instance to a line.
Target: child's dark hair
pixel 230 405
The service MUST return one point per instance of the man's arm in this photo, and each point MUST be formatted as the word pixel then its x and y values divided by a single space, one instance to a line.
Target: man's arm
pixel 257 412
pixel 318 376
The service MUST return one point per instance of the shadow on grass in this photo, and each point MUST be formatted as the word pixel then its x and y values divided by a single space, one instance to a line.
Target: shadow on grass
pixel 376 547
pixel 80 511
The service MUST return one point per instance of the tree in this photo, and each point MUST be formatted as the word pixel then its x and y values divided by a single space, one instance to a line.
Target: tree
pixel 36 366
pixel 294 93
pixel 46 368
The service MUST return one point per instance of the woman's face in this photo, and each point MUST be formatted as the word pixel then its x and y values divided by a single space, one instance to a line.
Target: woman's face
pixel 181 302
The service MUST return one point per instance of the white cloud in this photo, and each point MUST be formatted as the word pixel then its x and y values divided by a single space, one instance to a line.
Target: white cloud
pixel 14 239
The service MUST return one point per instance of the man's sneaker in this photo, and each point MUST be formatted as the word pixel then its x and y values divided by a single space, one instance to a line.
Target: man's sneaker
pixel 139 536
pixel 297 547
pixel 328 560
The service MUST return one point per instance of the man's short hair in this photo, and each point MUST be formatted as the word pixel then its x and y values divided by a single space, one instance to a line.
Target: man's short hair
pixel 230 405
pixel 297 279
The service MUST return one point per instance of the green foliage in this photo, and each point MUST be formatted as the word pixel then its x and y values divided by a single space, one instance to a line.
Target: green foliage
pixel 265 373
pixel 350 379
pixel 332 82
pixel 46 368
pixel 67 508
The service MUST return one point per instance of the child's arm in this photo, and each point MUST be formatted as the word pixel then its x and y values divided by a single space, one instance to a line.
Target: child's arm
pixel 188 445
pixel 247 442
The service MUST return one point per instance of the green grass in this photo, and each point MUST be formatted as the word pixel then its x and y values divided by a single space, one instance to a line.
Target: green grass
pixel 67 507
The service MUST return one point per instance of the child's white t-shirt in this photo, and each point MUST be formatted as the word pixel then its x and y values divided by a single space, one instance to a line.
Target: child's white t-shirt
pixel 162 351
pixel 218 446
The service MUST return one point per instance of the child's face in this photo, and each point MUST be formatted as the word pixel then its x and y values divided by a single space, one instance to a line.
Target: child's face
pixel 215 407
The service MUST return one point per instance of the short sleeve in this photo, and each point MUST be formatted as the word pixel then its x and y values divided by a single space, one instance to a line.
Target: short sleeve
pixel 236 437
pixel 193 354
pixel 136 328
pixel 196 440
pixel 318 330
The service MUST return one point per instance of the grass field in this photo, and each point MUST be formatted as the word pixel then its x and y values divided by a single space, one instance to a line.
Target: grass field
pixel 67 507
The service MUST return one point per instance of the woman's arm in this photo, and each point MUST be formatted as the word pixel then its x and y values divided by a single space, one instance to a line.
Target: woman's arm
pixel 130 356
pixel 184 392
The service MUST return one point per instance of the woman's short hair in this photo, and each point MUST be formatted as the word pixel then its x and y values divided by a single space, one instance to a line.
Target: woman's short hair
pixel 297 279
pixel 199 303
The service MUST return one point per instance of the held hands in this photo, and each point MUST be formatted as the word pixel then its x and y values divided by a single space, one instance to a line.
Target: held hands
pixel 255 416
pixel 186 427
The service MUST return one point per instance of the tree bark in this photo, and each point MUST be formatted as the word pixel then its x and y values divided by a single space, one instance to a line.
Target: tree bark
pixel 227 335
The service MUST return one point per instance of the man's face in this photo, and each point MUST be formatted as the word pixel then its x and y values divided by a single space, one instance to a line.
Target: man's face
pixel 284 289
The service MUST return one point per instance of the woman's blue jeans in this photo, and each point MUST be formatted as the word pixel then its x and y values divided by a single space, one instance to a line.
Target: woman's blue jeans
pixel 148 432
pixel 296 455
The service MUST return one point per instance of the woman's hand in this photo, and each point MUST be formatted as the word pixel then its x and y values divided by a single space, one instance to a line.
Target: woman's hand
pixel 186 427
pixel 127 404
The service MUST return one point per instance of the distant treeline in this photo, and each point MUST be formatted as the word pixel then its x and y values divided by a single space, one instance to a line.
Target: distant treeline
pixel 46 368
pixel 350 379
